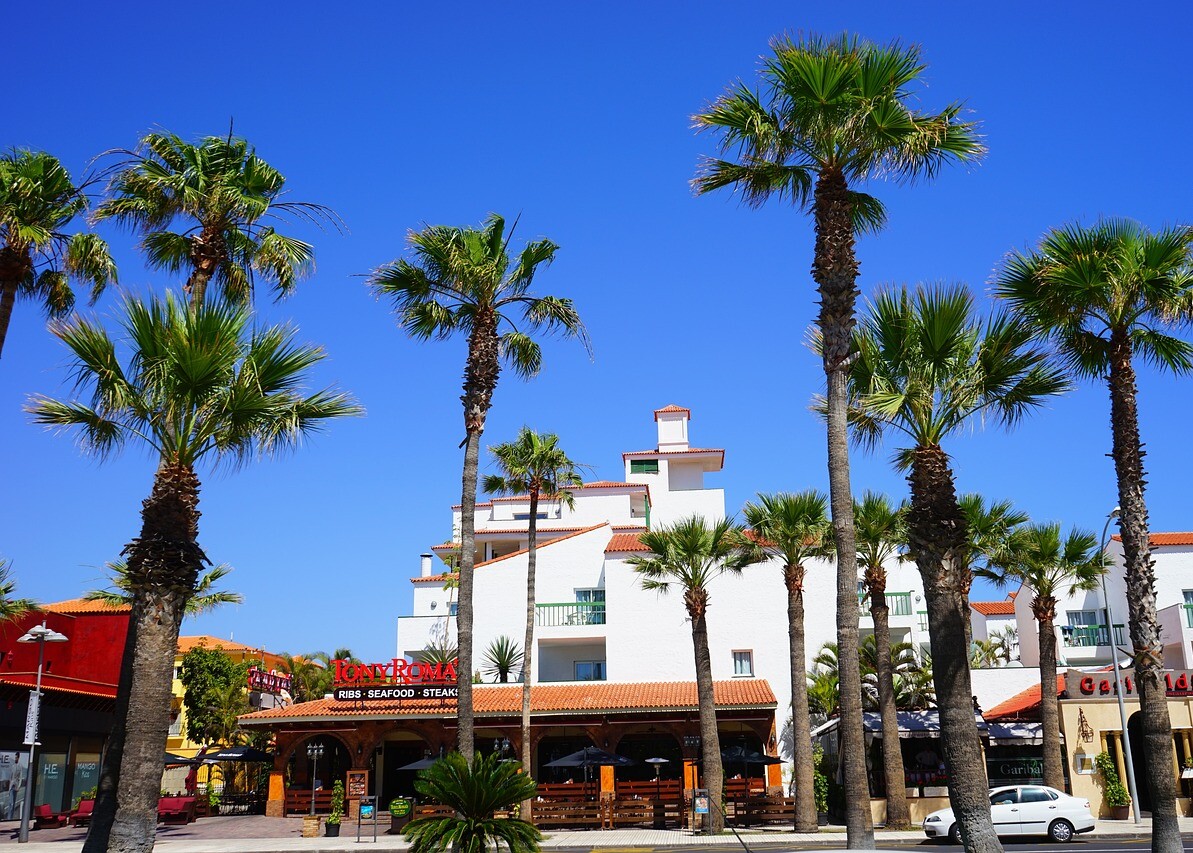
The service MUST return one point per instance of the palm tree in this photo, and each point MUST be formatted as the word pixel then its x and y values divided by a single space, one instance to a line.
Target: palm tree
pixel 1106 295
pixel 463 280
pixel 795 528
pixel 1050 566
pixel 926 367
pixel 535 465
pixel 198 386
pixel 38 258
pixel 217 195
pixel 474 793
pixel 691 554
pixel 824 693
pixel 441 653
pixel 306 677
pixel 502 659
pixel 879 527
pixel 904 663
pixel 833 114
pixel 204 599
pixel 984 654
pixel 12 608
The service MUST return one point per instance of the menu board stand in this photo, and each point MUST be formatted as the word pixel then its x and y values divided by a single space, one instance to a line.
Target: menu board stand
pixel 356 789
pixel 368 814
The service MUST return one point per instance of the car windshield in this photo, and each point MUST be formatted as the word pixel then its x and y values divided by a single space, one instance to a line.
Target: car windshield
pixel 1004 797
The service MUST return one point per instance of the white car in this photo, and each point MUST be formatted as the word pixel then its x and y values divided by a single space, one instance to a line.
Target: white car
pixel 1022 810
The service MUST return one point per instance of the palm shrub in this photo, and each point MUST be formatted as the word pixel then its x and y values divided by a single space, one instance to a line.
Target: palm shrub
pixel 209 209
pixel 831 115
pixel 474 791
pixel 463 281
pixel 1107 296
pixel 39 259
pixel 795 528
pixel 925 367
pixel 502 658
pixel 11 607
pixel 192 386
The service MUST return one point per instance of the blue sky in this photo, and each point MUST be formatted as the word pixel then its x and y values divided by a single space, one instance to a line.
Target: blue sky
pixel 576 118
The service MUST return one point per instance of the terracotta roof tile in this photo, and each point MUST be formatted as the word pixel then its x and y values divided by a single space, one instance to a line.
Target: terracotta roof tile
pixel 657 452
pixel 185 644
pixel 672 409
pixel 559 698
pixel 994 608
pixel 622 543
pixel 1025 703
pixel 1159 539
pixel 82 605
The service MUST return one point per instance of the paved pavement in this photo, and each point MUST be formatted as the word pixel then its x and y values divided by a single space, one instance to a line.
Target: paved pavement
pixel 258 834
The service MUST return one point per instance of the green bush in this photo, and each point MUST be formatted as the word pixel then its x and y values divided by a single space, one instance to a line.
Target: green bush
pixel 1113 790
pixel 819 780
pixel 337 804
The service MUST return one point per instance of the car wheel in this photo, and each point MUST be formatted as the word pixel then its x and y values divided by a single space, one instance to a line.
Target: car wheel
pixel 955 834
pixel 1060 830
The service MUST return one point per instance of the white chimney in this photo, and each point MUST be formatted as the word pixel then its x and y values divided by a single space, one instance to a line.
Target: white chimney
pixel 673 428
pixel 425 559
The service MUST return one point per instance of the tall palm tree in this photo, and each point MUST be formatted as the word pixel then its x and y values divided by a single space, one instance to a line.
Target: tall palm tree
pixel 832 115
pixel 903 661
pixel 535 465
pixel 926 367
pixel 207 209
pixel 463 280
pixel 10 607
pixel 1050 566
pixel 197 386
pixel 203 599
pixel 38 258
pixel 880 530
pixel 691 554
pixel 1106 295
pixel 306 676
pixel 502 659
pixel 796 528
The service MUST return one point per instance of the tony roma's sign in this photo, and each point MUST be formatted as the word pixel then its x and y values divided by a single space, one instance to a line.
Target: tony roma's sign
pixel 398 679
pixel 1177 683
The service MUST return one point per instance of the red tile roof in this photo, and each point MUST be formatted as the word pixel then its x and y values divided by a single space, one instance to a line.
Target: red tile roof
pixel 60 683
pixel 486 505
pixel 657 452
pixel 596 484
pixel 82 605
pixel 625 543
pixel 994 608
pixel 185 644
pixel 1024 704
pixel 560 698
pixel 1160 539
pixel 672 409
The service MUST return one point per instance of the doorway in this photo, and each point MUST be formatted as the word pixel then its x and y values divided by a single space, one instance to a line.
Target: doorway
pixel 1143 788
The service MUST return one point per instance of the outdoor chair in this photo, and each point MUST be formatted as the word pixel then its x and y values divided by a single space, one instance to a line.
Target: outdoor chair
pixel 45 817
pixel 82 815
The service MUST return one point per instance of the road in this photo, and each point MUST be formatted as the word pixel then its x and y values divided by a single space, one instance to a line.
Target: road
pixel 1027 845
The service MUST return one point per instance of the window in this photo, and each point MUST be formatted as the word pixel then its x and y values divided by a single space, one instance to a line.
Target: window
pixel 453 609
pixel 1005 798
pixel 525 516
pixel 644 466
pixel 590 596
pixel 1085 617
pixel 1034 795
pixel 590 670
pixel 1189 596
pixel 743 662
pixel 593 611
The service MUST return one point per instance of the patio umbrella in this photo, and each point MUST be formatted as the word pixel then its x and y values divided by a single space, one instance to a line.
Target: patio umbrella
pixel 176 760
pixel 421 764
pixel 236 753
pixel 745 757
pixel 591 756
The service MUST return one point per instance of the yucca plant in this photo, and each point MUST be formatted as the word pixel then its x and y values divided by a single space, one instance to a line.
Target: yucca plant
pixel 501 659
pixel 475 792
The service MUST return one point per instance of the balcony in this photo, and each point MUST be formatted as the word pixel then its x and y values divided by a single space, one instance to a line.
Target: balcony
pixel 898 603
pixel 922 619
pixel 569 613
pixel 1090 636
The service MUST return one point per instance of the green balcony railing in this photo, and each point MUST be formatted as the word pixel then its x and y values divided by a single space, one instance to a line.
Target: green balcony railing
pixel 569 613
pixel 1189 615
pixel 923 619
pixel 1082 636
pixel 899 603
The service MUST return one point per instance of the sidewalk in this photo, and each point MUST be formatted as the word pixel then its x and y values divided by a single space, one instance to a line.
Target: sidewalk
pixel 283 835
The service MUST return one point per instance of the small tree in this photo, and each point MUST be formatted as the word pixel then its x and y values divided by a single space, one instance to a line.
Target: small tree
pixel 501 659
pixel 206 675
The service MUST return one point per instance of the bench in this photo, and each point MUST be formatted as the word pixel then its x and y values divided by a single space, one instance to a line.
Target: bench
pixel 82 815
pixel 176 809
pixel 562 815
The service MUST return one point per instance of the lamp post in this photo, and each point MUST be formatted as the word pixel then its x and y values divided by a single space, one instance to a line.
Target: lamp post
pixel 1118 682
pixel 41 635
pixel 314 752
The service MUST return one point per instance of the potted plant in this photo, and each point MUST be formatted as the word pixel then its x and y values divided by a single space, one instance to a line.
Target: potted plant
pixel 820 786
pixel 337 810
pixel 1114 793
pixel 213 801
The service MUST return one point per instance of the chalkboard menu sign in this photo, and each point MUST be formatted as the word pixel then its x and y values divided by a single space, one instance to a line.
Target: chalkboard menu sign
pixel 358 784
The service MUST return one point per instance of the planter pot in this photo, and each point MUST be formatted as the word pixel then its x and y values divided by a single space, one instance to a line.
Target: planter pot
pixel 332 830
pixel 310 825
pixel 822 818
pixel 1120 812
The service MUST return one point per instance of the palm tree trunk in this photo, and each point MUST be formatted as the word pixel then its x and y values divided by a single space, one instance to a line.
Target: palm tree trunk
pixel 163 565
pixel 710 765
pixel 528 642
pixel 1054 772
pixel 898 814
pixel 1141 596
pixel 466 732
pixel 208 251
pixel 835 270
pixel 801 727
pixel 8 298
pixel 936 535
pixel 104 811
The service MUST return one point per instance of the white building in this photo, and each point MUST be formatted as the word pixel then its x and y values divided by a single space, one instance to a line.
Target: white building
pixel 594 621
pixel 1084 632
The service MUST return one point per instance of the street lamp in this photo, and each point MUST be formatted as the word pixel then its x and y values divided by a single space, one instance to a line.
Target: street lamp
pixel 41 635
pixel 1118 682
pixel 314 752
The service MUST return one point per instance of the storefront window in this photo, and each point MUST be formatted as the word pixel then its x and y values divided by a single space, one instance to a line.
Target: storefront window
pixel 51 780
pixel 86 778
pixel 13 779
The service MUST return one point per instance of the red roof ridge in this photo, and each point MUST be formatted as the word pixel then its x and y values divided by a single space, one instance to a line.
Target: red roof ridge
pixel 579 532
pixel 657 452
pixel 994 608
pixel 671 408
pixel 621 543
pixel 1020 703
pixel 84 605
pixel 1160 539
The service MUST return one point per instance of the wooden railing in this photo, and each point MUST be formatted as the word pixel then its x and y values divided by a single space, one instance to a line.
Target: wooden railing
pixel 298 801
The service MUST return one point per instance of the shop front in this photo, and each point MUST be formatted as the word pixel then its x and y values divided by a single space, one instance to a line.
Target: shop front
pixel 1092 724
